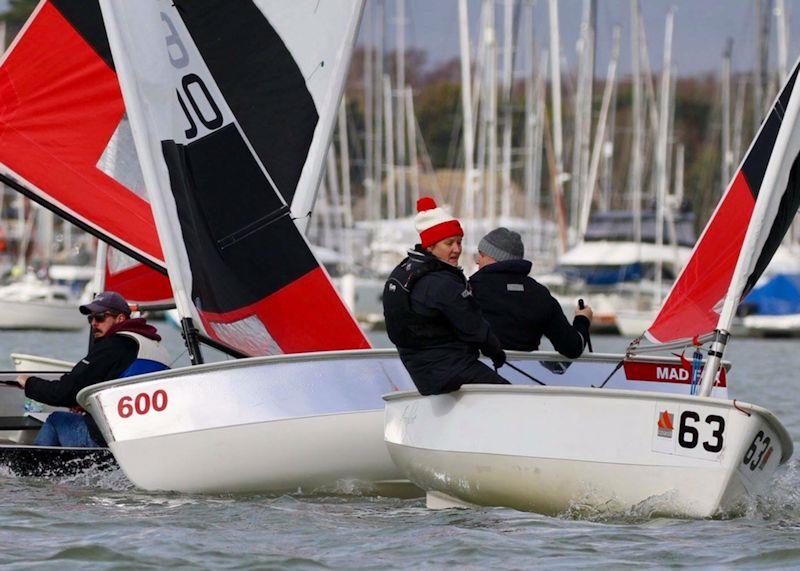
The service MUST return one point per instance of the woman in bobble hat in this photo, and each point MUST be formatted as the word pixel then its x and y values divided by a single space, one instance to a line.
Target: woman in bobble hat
pixel 431 315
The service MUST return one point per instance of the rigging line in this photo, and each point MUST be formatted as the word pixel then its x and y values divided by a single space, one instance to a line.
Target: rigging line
pixel 521 372
pixel 608 378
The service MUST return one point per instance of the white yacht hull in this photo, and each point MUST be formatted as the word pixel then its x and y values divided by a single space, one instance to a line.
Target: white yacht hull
pixel 552 450
pixel 633 323
pixel 773 325
pixel 40 315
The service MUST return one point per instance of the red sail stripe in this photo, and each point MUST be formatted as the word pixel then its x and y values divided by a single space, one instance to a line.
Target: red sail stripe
pixel 689 309
pixel 139 284
pixel 59 105
pixel 299 317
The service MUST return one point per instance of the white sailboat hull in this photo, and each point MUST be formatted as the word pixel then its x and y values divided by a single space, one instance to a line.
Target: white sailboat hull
pixel 272 424
pixel 40 315
pixel 551 450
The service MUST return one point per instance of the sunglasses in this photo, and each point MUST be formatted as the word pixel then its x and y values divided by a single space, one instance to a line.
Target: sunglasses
pixel 100 317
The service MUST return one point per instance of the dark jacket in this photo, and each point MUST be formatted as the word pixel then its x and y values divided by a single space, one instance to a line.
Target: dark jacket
pixel 433 319
pixel 107 359
pixel 520 310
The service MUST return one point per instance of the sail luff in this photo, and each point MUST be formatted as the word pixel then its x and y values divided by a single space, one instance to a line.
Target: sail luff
pixel 154 183
pixel 307 187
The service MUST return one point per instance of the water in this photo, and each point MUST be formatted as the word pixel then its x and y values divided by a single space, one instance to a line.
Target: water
pixel 100 520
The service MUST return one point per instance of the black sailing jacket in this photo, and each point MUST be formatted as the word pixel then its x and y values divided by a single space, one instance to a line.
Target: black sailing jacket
pixel 437 327
pixel 107 359
pixel 520 310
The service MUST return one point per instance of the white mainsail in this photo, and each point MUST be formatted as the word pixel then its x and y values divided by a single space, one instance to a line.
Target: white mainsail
pixel 231 108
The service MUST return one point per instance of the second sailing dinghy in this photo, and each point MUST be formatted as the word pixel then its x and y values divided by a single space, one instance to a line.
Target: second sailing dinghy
pixel 231 107
pixel 551 449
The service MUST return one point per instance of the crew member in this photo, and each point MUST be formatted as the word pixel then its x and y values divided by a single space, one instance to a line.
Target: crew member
pixel 122 347
pixel 519 309
pixel 431 315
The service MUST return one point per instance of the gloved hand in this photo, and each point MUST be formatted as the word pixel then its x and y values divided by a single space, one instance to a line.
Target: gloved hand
pixel 495 353
pixel 498 358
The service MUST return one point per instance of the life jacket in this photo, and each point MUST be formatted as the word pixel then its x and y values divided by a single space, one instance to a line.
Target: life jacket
pixel 405 327
pixel 151 356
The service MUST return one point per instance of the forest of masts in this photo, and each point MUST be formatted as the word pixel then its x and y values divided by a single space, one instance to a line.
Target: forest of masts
pixel 508 131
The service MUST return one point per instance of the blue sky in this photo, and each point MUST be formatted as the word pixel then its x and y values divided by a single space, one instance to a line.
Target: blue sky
pixel 701 30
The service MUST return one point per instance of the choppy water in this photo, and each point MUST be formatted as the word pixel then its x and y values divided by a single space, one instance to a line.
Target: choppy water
pixel 101 521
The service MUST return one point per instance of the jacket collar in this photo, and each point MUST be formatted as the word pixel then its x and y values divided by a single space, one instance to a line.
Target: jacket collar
pixel 522 267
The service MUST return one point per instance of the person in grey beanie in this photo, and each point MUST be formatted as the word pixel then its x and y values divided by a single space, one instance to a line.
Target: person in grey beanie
pixel 519 309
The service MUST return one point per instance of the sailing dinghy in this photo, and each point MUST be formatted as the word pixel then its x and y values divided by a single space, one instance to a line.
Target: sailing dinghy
pixel 553 449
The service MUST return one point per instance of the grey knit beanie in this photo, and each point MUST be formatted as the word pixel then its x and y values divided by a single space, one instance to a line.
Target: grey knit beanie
pixel 502 244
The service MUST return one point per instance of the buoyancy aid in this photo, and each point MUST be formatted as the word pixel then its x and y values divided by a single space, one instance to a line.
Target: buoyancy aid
pixel 405 327
pixel 150 358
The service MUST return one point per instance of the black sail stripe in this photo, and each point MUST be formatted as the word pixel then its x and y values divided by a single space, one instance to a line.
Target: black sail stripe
pixel 219 193
pixel 86 18
pixel 260 81
pixel 790 201
pixel 755 165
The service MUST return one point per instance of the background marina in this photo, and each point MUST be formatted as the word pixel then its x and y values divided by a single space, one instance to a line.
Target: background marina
pixel 362 224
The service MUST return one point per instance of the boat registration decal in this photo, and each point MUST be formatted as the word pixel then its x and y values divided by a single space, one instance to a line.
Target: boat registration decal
pixel 760 459
pixel 697 432
pixel 665 373
pixel 142 403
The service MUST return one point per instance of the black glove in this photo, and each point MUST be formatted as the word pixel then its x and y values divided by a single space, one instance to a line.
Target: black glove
pixel 496 354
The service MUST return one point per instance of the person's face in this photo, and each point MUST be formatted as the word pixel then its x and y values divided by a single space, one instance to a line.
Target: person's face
pixel 447 250
pixel 102 322
pixel 483 260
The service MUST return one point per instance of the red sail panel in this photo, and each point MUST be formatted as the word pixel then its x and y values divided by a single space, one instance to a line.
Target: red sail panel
pixel 306 315
pixel 693 305
pixel 60 104
pixel 139 284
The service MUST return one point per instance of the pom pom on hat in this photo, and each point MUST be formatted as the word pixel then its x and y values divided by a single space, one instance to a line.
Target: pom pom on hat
pixel 433 223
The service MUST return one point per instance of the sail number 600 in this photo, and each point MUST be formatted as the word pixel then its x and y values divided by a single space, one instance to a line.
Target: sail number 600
pixel 142 403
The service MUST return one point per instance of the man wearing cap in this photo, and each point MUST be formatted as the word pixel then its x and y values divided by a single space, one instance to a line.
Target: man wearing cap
pixel 431 315
pixel 519 309
pixel 121 347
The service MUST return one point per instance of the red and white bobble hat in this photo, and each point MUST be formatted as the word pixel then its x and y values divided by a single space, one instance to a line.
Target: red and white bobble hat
pixel 433 223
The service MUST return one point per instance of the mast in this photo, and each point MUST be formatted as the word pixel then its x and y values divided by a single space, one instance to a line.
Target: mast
pixel 558 140
pixel 588 191
pixel 135 110
pixel 379 113
pixel 508 64
pixel 637 145
pixel 412 144
pixel 727 156
pixel 661 153
pixel 391 195
pixel 468 122
pixel 400 87
pixel 491 185
pixel 530 116
pixel 369 122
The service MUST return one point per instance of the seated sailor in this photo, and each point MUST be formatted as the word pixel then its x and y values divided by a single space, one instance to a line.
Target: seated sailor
pixel 519 309
pixel 121 347
pixel 431 315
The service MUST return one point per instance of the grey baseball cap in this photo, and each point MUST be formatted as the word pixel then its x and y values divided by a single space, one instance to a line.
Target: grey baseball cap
pixel 106 301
